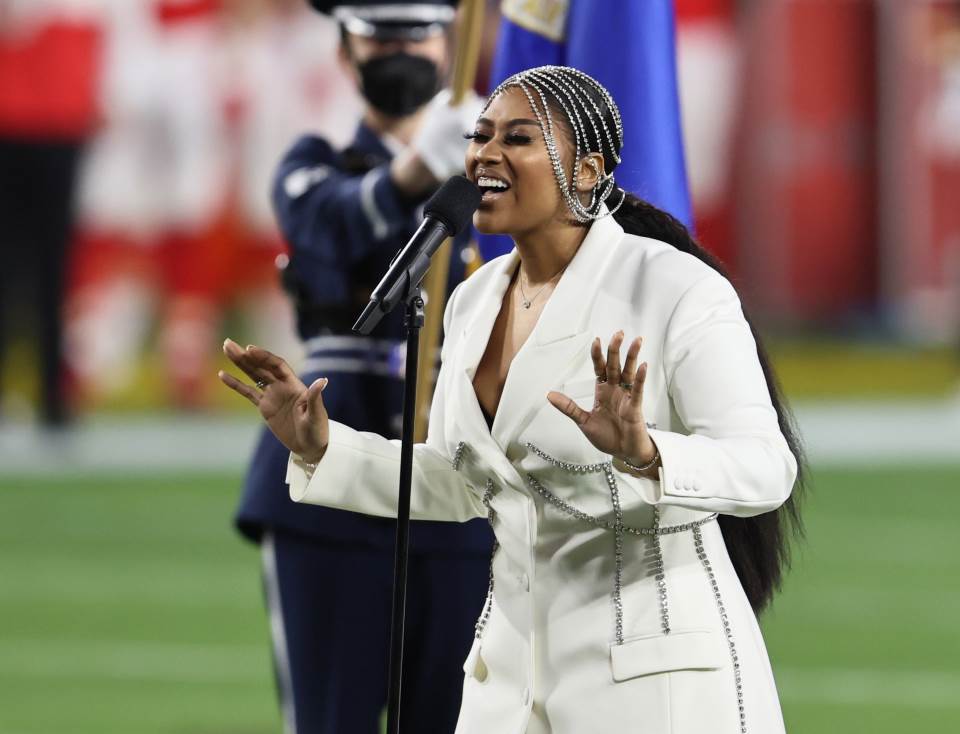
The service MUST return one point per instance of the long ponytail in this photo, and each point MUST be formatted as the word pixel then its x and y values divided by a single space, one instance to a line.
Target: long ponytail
pixel 759 546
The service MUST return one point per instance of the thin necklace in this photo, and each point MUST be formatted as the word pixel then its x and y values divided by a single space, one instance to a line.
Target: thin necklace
pixel 527 302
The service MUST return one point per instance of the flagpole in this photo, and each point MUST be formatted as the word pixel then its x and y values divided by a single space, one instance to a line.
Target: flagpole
pixel 469 34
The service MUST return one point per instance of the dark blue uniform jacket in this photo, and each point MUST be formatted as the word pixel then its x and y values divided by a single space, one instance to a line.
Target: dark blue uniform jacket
pixel 344 221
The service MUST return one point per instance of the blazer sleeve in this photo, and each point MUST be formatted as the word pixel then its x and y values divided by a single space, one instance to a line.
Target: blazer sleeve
pixel 735 459
pixel 360 471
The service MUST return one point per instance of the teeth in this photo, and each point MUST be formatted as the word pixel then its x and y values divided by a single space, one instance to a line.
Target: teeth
pixel 491 183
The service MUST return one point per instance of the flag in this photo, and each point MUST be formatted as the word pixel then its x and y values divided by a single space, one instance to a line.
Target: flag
pixel 629 47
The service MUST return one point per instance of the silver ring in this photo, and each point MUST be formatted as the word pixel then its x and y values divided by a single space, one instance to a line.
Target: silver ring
pixel 260 384
pixel 626 385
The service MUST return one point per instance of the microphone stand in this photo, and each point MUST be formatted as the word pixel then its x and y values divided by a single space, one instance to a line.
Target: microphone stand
pixel 457 198
pixel 413 321
pixel 401 285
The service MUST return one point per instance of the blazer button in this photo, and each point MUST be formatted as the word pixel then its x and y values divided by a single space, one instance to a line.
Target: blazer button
pixel 524 581
pixel 678 484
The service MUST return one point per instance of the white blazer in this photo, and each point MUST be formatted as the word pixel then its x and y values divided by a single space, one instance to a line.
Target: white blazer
pixel 614 605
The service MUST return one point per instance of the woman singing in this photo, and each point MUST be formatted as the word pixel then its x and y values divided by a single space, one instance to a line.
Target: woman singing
pixel 642 508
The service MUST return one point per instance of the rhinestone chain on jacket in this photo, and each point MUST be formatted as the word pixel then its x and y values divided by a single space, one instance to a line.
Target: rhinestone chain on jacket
pixel 481 625
pixel 606 467
pixel 656 531
pixel 619 528
pixel 488 491
pixel 660 575
pixel 727 631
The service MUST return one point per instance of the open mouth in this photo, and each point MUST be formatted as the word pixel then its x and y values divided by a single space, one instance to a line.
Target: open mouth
pixel 491 187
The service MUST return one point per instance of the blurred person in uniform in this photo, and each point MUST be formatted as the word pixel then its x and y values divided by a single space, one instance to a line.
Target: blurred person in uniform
pixel 49 74
pixel 328 573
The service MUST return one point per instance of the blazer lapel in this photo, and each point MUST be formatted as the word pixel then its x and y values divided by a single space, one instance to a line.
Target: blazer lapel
pixel 477 332
pixel 558 345
pixel 471 424
pixel 560 342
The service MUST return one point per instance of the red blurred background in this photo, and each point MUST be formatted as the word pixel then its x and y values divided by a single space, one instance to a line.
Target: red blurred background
pixel 823 145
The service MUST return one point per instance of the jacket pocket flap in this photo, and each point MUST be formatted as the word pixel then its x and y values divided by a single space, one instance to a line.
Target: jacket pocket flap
pixel 680 650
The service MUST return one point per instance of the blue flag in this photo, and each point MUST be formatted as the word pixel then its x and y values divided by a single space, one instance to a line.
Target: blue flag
pixel 629 47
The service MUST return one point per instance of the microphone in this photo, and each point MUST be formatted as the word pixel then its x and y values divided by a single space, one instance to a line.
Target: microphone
pixel 445 214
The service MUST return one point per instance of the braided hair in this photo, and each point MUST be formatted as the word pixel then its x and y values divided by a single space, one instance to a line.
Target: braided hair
pixel 568 100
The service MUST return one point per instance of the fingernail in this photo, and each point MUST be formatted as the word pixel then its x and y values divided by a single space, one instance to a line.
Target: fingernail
pixel 323 383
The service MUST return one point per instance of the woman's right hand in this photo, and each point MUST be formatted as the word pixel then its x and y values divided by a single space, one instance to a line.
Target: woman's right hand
pixel 294 412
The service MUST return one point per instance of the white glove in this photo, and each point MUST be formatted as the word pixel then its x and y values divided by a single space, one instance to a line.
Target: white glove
pixel 439 142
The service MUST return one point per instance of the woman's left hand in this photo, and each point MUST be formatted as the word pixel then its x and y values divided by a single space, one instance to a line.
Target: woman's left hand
pixel 615 425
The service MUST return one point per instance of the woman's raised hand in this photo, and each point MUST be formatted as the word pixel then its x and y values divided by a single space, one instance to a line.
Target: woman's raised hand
pixel 615 425
pixel 294 412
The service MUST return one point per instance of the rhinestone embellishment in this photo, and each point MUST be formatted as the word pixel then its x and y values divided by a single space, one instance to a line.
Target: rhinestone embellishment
pixel 458 453
pixel 568 509
pixel 619 529
pixel 660 575
pixel 488 492
pixel 567 88
pixel 725 620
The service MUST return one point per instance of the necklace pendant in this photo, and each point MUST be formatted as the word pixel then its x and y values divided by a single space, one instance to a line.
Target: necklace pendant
pixel 526 304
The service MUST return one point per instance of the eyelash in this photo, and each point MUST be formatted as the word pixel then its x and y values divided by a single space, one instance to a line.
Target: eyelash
pixel 511 138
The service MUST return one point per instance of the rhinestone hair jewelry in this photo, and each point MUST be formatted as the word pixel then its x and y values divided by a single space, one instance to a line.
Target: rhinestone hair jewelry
pixel 570 89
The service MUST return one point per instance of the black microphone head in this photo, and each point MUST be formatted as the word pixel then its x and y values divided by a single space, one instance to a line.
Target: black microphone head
pixel 454 203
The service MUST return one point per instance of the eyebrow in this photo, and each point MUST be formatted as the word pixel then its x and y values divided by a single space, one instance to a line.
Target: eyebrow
pixel 511 123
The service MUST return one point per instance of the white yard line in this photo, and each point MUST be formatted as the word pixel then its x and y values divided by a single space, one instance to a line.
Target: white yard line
pixel 112 444
pixel 885 433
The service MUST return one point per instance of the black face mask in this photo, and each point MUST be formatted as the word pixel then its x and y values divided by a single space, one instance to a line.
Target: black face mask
pixel 399 84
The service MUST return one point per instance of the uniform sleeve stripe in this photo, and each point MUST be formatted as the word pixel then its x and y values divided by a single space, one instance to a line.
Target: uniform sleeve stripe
pixel 278 634
pixel 368 200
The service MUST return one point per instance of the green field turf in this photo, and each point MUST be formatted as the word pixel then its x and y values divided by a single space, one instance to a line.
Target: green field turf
pixel 128 605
